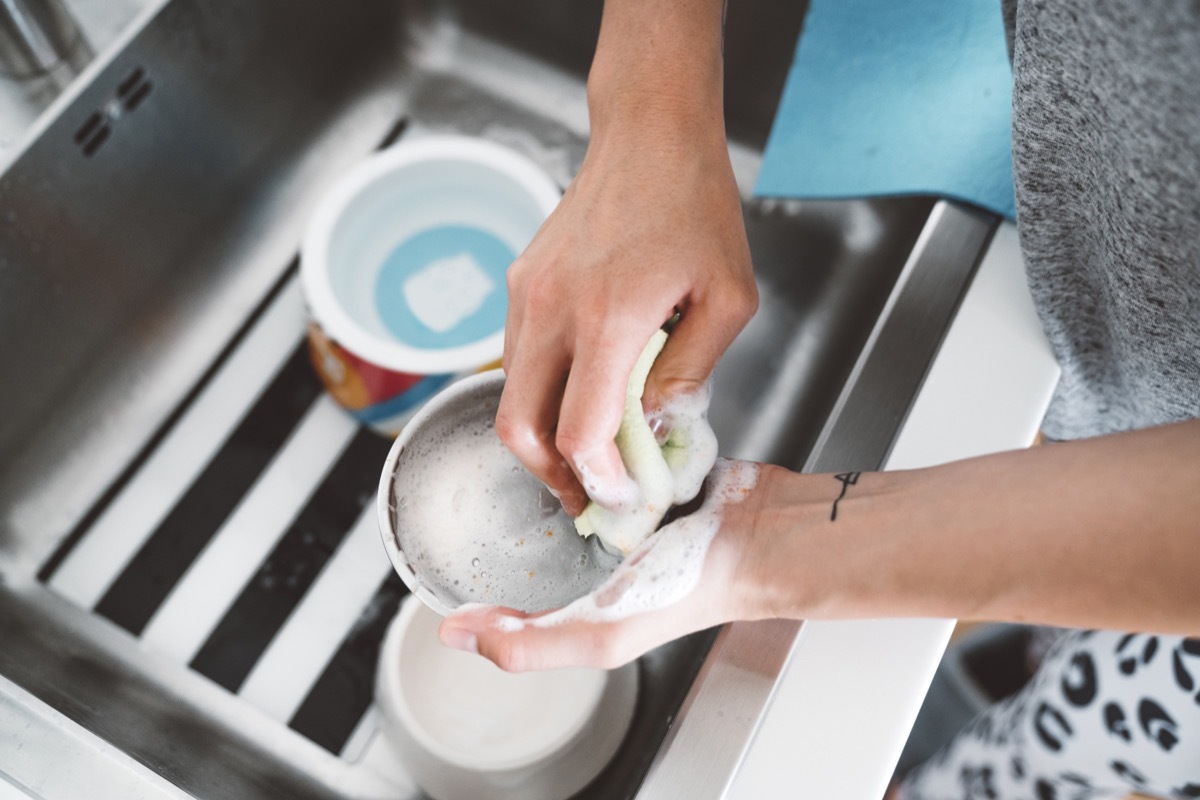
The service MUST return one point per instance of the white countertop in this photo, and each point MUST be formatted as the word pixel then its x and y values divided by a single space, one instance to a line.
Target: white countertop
pixel 845 705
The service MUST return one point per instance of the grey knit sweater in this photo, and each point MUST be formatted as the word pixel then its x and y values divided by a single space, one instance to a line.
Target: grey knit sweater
pixel 1106 155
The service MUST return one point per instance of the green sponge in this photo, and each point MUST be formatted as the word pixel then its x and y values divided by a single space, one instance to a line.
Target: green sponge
pixel 624 527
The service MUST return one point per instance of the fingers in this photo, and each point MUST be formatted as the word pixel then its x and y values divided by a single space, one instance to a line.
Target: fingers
pixel 521 647
pixel 562 405
pixel 527 419
pixel 565 393
pixel 704 332
pixel 535 366
pixel 563 429
pixel 515 643
pixel 592 406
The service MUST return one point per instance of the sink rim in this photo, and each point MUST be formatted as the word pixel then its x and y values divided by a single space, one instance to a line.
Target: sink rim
pixel 667 753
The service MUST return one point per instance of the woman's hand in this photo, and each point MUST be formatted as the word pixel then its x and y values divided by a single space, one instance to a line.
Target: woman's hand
pixel 686 577
pixel 1047 536
pixel 651 226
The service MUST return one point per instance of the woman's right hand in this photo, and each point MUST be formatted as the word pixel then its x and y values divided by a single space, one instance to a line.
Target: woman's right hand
pixel 651 226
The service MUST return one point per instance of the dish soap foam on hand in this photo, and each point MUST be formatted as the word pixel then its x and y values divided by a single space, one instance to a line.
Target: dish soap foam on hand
pixel 660 475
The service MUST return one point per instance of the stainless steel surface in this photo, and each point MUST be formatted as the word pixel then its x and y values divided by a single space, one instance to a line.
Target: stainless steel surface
pixel 165 199
pixel 887 377
pixel 718 720
pixel 44 754
pixel 126 271
pixel 31 74
pixel 102 24
pixel 39 36
pixel 726 704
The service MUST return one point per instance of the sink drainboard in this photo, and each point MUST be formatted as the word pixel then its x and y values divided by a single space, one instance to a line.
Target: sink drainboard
pixel 244 544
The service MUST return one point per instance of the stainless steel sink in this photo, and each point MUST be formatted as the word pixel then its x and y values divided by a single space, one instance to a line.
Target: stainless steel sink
pixel 156 379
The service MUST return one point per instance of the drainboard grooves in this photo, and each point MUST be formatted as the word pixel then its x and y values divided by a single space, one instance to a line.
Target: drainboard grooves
pixel 265 603
pixel 181 625
pixel 245 545
pixel 162 560
pixel 339 699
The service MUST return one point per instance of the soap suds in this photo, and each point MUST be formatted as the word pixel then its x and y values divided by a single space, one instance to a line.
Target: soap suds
pixel 666 568
pixel 668 459
pixel 476 527
pixel 690 449
pixel 623 494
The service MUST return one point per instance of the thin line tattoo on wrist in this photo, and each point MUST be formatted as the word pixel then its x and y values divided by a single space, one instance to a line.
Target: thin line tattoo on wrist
pixel 848 479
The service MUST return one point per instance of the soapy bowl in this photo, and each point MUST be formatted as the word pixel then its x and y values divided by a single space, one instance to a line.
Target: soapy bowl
pixel 403 269
pixel 463 522
pixel 466 730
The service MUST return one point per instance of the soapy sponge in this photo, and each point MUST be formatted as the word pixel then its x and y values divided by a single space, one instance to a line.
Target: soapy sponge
pixel 659 475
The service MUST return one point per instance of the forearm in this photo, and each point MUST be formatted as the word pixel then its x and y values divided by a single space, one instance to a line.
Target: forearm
pixel 651 226
pixel 658 66
pixel 1098 533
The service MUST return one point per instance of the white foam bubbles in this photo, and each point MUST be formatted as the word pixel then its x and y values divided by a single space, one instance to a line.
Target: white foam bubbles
pixel 690 446
pixel 667 567
pixel 475 527
pixel 667 454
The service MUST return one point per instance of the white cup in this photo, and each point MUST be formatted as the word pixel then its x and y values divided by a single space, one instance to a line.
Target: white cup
pixel 403 269
pixel 466 730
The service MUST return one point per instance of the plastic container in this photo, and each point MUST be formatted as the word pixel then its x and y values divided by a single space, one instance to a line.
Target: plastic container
pixel 403 269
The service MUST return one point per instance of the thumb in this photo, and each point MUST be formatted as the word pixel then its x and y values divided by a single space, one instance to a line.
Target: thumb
pixel 504 637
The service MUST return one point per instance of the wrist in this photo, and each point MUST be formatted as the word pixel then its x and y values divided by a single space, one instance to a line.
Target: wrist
pixel 766 585
pixel 658 69
pixel 803 561
pixel 651 96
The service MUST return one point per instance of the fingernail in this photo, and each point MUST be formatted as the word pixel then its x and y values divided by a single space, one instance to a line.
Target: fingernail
pixel 574 504
pixel 603 475
pixel 658 426
pixel 602 461
pixel 460 639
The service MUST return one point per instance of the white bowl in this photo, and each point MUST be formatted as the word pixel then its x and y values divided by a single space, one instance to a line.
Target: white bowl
pixel 466 730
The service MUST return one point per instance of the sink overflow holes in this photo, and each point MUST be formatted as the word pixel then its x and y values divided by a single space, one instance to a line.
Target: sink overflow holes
pixel 98 127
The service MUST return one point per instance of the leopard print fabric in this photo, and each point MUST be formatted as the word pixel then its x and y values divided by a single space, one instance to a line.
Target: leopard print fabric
pixel 1105 715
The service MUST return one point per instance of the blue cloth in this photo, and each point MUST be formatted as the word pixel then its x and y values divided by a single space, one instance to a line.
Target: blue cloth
pixel 896 97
